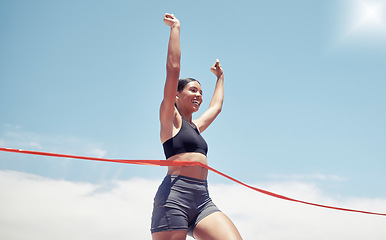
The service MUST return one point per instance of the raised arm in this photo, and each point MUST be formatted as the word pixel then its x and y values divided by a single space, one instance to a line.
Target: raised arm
pixel 172 69
pixel 216 103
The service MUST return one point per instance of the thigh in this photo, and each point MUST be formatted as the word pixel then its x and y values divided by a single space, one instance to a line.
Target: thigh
pixel 170 235
pixel 216 226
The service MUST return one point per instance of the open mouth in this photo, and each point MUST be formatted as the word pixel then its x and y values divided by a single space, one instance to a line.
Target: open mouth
pixel 196 102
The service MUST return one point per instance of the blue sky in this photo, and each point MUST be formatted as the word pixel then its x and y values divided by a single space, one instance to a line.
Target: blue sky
pixel 304 88
pixel 299 99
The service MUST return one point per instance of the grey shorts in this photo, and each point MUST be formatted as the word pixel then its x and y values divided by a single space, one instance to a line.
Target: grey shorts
pixel 180 203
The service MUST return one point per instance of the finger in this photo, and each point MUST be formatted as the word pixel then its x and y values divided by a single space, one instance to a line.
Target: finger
pixel 217 64
pixel 213 66
pixel 168 15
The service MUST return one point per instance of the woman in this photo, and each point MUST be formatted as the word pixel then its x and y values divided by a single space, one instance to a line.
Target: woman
pixel 182 205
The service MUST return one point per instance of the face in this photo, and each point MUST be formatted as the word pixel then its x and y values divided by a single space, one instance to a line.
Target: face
pixel 191 97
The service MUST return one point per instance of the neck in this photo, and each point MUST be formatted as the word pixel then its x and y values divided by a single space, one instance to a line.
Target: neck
pixel 185 115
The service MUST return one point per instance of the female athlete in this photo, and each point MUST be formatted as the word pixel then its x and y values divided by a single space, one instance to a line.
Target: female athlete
pixel 182 205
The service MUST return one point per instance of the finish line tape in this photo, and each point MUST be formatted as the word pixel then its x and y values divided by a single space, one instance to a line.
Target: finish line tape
pixel 182 163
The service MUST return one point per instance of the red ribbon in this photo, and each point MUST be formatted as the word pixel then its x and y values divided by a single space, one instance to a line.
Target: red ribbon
pixel 181 163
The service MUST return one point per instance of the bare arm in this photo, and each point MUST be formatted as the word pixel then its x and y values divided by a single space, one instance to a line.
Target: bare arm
pixel 167 109
pixel 172 68
pixel 216 103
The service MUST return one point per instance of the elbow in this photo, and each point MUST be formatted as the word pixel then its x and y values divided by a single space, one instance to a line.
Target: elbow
pixel 217 109
pixel 173 67
pixel 219 106
pixel 173 61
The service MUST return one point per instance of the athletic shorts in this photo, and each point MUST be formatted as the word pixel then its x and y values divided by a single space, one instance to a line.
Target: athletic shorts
pixel 180 203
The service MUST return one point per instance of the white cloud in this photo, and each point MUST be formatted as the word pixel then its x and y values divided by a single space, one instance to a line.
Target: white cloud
pixel 39 208
pixel 314 176
pixel 12 136
pixel 263 217
pixel 34 207
pixel 95 151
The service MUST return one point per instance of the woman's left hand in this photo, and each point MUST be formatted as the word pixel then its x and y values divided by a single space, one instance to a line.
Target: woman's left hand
pixel 216 69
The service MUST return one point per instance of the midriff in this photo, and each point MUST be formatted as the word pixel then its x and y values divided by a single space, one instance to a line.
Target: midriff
pixel 189 171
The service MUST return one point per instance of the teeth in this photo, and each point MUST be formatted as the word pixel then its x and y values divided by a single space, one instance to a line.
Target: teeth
pixel 195 102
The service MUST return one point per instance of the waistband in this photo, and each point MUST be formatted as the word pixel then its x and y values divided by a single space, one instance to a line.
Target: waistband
pixel 187 179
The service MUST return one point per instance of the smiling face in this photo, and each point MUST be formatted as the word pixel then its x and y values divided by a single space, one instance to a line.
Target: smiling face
pixel 190 98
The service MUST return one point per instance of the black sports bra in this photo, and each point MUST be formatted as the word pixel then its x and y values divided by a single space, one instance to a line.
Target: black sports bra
pixel 188 139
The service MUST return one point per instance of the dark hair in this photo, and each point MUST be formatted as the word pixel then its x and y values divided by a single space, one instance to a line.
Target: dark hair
pixel 183 82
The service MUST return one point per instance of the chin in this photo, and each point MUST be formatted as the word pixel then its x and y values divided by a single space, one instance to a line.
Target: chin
pixel 195 109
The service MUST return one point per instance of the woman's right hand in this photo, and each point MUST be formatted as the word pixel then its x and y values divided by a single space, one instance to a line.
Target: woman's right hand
pixel 170 19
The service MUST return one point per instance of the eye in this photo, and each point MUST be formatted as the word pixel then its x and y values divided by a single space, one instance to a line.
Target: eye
pixel 195 90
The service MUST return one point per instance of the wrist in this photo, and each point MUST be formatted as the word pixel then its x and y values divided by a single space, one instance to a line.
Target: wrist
pixel 176 25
